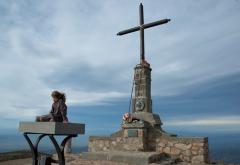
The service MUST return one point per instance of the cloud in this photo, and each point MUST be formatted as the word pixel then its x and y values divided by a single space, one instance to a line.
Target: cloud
pixel 94 98
pixel 217 121
pixel 204 125
pixel 72 46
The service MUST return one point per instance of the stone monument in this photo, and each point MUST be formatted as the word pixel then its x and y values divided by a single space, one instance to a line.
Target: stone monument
pixel 143 141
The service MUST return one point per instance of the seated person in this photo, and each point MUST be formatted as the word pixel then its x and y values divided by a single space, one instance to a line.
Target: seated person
pixel 58 112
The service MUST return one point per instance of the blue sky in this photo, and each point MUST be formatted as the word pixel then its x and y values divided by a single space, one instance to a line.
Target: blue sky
pixel 72 46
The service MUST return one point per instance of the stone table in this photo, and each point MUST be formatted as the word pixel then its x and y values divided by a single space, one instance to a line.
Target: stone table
pixel 50 129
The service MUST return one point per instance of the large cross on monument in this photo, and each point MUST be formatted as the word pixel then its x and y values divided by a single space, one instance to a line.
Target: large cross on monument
pixel 141 139
pixel 141 102
pixel 141 28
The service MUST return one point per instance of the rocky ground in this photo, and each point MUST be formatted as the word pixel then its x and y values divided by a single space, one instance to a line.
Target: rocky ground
pixel 75 159
pixel 17 162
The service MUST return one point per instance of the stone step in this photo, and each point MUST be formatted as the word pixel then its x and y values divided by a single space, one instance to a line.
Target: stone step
pixel 133 158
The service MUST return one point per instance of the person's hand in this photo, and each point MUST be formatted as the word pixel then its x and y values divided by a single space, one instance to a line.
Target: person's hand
pixel 38 119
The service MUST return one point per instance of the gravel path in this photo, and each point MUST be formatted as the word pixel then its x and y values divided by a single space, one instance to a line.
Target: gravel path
pixel 75 159
pixel 17 162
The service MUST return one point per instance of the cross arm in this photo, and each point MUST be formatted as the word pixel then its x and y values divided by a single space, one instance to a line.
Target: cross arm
pixel 145 26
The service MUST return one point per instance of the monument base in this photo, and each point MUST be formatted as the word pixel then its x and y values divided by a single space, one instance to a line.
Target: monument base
pixel 142 138
pixel 134 158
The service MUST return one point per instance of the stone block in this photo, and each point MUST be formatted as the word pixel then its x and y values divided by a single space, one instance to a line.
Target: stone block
pixel 166 150
pixel 186 158
pixel 198 144
pixel 162 144
pixel 135 125
pixel 56 128
pixel 187 153
pixel 195 148
pixel 141 132
pixel 170 144
pixel 159 149
pixel 189 146
pixel 181 146
pixel 175 151
pixel 198 159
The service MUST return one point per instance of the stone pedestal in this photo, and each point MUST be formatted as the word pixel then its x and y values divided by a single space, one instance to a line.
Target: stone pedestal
pixel 134 135
pixel 141 101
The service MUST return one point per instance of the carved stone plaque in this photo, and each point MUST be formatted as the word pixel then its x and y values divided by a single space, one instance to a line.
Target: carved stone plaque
pixel 132 133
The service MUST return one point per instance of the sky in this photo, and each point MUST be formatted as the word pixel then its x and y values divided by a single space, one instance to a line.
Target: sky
pixel 72 46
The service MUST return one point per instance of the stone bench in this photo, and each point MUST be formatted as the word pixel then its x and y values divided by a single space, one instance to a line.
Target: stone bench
pixel 50 129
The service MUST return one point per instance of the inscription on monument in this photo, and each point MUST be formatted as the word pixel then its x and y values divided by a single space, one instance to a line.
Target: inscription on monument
pixel 132 133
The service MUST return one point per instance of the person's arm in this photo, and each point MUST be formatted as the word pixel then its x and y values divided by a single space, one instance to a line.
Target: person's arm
pixel 63 110
pixel 51 114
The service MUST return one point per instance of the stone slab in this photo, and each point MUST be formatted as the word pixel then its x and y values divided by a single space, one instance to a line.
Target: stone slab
pixel 133 158
pixel 148 117
pixel 55 128
pixel 135 124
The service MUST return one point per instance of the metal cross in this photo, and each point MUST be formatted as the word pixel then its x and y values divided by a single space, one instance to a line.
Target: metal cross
pixel 141 28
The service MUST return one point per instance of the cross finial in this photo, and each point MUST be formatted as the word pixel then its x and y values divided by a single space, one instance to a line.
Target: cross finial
pixel 141 28
pixel 141 22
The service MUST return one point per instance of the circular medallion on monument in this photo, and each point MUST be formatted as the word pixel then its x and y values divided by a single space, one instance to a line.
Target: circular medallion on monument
pixel 139 105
